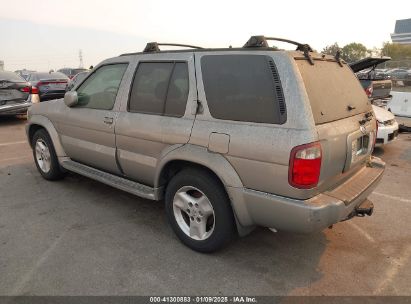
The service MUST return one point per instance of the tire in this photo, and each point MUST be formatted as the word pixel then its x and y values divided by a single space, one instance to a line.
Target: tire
pixel 199 210
pixel 45 156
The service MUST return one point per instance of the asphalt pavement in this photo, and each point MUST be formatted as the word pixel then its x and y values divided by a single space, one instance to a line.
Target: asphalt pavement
pixel 79 237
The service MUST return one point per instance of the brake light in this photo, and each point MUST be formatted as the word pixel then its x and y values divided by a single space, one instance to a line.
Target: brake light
pixel 34 90
pixel 25 90
pixel 368 91
pixel 305 165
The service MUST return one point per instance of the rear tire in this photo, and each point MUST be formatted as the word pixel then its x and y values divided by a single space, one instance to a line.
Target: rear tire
pixel 45 156
pixel 199 210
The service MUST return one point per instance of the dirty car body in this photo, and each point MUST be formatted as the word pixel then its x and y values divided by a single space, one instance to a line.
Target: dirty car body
pixel 283 137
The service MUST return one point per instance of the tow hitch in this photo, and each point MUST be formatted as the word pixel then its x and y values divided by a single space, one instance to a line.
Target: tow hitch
pixel 366 208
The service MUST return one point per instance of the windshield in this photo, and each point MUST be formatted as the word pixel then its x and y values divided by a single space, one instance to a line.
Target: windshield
pixel 332 89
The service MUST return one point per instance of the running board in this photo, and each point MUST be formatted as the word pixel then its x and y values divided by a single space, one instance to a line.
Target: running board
pixel 110 179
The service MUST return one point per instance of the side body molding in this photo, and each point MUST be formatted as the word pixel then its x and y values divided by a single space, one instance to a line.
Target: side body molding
pixel 43 121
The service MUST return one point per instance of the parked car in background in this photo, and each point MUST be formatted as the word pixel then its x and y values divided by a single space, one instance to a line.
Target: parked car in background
pixel 50 85
pixel 387 126
pixel 76 80
pixel 187 124
pixel 400 76
pixel 377 84
pixel 71 72
pixel 16 94
pixel 400 106
pixel 24 73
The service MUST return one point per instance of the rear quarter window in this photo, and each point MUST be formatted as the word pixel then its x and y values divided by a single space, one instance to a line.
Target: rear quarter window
pixel 331 89
pixel 243 88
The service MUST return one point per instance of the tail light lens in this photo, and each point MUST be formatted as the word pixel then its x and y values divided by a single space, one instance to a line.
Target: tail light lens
pixel 305 166
pixel 25 90
pixel 34 90
pixel 368 91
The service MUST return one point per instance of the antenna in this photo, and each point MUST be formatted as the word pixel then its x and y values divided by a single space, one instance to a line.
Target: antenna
pixel 80 57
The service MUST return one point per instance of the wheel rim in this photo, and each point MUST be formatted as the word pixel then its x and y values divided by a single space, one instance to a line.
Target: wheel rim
pixel 43 155
pixel 194 213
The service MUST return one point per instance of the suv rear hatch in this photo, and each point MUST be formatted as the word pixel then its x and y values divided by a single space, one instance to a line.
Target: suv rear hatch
pixel 375 83
pixel 343 118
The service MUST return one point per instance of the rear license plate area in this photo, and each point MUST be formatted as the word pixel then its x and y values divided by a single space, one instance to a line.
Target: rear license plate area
pixel 360 147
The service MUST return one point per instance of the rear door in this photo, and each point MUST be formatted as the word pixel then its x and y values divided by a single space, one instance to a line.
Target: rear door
pixel 343 117
pixel 87 129
pixel 158 115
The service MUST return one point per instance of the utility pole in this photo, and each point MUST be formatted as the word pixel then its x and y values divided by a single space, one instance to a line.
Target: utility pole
pixel 80 57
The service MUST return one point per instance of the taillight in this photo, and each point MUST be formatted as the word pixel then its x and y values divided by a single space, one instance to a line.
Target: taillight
pixel 368 91
pixel 34 90
pixel 305 165
pixel 25 90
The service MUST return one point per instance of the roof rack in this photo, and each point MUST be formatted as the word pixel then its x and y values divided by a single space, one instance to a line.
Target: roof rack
pixel 261 41
pixel 154 46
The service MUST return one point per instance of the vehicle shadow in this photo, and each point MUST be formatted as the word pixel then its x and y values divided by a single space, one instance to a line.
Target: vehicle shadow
pixel 12 120
pixel 141 255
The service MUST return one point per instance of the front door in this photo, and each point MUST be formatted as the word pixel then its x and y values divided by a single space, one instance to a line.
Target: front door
pixel 87 129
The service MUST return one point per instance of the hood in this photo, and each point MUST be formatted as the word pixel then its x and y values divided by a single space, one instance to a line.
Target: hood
pixel 368 62
pixel 382 114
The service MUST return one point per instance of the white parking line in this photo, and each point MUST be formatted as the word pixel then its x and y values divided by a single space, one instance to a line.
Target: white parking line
pixel 397 198
pixel 19 287
pixel 392 272
pixel 13 143
pixel 363 232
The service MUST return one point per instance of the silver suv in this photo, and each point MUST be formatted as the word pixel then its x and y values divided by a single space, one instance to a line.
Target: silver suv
pixel 229 138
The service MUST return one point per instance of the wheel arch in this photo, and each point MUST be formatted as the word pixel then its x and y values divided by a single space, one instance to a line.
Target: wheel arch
pixel 190 156
pixel 38 122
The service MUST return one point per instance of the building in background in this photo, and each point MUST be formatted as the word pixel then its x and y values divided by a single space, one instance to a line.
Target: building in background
pixel 402 32
pixel 1 65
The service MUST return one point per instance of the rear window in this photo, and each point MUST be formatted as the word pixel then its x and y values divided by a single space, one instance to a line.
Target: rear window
pixel 45 76
pixel 10 76
pixel 243 88
pixel 331 89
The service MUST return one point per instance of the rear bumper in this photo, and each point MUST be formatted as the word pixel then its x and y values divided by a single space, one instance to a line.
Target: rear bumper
pixel 14 109
pixel 268 210
pixel 51 95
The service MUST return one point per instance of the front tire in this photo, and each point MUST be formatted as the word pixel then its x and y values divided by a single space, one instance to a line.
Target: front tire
pixel 199 210
pixel 45 156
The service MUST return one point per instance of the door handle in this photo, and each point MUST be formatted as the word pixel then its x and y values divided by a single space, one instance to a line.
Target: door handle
pixel 108 120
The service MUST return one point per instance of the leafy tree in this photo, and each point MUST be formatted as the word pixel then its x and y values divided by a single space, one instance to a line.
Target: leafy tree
pixel 353 52
pixel 331 49
pixel 396 51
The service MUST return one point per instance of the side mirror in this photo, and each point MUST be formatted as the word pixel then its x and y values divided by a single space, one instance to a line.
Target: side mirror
pixel 71 98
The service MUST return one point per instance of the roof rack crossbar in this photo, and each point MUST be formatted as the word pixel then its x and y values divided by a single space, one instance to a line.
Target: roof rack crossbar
pixel 261 41
pixel 154 46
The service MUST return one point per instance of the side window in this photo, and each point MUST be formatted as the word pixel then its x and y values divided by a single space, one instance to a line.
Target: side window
pixel 160 88
pixel 99 91
pixel 243 88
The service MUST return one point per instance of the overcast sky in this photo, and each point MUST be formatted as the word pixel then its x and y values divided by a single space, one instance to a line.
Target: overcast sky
pixel 48 34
